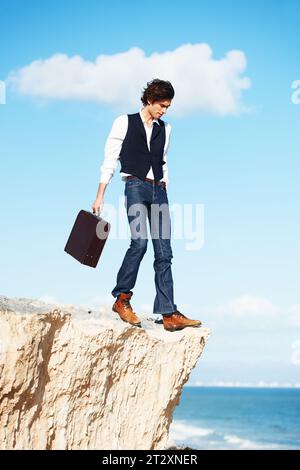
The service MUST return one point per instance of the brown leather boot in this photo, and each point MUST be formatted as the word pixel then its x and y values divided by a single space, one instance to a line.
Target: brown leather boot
pixel 177 321
pixel 123 308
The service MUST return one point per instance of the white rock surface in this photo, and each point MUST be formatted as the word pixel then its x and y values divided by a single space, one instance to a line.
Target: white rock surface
pixel 70 379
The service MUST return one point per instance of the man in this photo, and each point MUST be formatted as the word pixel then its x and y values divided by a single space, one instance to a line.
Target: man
pixel 140 141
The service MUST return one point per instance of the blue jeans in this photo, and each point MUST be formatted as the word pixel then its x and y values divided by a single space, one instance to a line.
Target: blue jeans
pixel 145 200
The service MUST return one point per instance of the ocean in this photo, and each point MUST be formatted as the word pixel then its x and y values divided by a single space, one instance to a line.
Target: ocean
pixel 212 418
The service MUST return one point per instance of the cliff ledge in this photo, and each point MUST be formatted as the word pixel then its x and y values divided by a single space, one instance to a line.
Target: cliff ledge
pixel 70 379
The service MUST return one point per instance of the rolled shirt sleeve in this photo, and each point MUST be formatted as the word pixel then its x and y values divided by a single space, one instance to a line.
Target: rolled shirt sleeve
pixel 113 147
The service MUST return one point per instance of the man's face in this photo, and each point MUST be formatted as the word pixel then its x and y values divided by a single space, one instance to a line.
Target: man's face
pixel 158 108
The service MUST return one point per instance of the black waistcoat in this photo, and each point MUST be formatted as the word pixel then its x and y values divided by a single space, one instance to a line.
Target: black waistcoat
pixel 135 156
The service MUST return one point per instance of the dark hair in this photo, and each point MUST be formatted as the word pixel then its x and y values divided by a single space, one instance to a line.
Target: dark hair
pixel 157 90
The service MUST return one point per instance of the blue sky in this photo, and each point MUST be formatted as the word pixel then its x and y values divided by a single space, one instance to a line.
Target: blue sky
pixel 243 167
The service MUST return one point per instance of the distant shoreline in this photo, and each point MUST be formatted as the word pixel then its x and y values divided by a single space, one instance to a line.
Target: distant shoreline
pixel 246 386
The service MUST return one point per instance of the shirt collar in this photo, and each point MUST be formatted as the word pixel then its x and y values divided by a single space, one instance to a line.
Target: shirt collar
pixel 143 119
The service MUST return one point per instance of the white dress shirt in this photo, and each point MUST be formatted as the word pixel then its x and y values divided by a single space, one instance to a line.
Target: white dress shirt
pixel 114 143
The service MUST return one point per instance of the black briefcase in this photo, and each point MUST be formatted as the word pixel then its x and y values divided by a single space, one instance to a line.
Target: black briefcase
pixel 87 238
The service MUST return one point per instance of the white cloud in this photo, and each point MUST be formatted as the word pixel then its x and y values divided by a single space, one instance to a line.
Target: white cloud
pixel 253 312
pixel 49 299
pixel 247 305
pixel 295 357
pixel 103 302
pixel 202 84
pixel 294 315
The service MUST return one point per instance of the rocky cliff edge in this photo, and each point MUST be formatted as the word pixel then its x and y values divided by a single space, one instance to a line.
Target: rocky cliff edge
pixel 75 379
